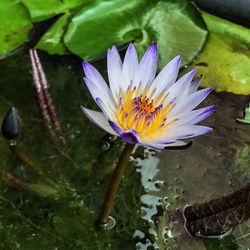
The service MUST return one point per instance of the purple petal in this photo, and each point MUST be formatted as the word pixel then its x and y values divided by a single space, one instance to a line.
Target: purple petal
pixel 147 67
pixel 99 119
pixel 92 74
pixel 194 85
pixel 191 101
pixel 193 117
pixel 107 111
pixel 185 131
pixel 167 76
pixel 130 65
pixel 130 136
pixel 97 92
pixel 203 115
pixel 180 88
pixel 115 127
pixel 115 76
pixel 159 145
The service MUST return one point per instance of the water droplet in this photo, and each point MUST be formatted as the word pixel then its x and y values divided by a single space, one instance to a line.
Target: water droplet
pixel 109 225
pixel 109 138
pixel 105 146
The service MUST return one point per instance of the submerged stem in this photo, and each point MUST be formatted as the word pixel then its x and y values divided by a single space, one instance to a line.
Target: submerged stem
pixel 25 158
pixel 114 183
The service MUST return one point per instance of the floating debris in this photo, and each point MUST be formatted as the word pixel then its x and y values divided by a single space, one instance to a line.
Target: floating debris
pixel 246 118
pixel 217 218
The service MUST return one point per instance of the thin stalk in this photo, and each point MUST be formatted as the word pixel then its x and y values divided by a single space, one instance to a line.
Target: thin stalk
pixel 25 158
pixel 114 183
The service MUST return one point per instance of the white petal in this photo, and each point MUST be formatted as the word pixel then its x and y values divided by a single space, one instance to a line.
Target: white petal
pixel 193 117
pixel 180 88
pixel 194 85
pixel 161 145
pixel 92 74
pixel 190 102
pixel 115 75
pixel 184 132
pixel 130 65
pixel 97 92
pixel 147 67
pixel 167 76
pixel 105 107
pixel 99 119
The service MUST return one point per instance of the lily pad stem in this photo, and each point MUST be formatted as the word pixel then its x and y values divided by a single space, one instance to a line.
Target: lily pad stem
pixel 24 157
pixel 114 184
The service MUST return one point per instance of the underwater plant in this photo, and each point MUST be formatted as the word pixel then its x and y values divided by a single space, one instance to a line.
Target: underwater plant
pixel 141 109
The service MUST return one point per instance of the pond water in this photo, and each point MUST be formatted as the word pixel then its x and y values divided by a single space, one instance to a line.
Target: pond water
pixel 58 209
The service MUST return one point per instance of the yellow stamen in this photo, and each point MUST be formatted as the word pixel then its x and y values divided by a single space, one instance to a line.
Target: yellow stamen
pixel 144 114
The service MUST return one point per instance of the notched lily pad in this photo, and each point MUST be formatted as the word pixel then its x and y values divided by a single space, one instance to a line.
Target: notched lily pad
pixel 176 27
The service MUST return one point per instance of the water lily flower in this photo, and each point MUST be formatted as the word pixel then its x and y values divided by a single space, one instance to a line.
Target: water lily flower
pixel 140 107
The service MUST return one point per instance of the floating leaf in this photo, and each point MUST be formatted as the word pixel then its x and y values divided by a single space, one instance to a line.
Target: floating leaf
pixel 45 9
pixel 218 216
pixel 15 25
pixel 225 60
pixel 224 64
pixel 176 27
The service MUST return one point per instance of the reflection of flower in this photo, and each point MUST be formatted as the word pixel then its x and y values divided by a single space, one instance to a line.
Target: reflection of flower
pixel 155 112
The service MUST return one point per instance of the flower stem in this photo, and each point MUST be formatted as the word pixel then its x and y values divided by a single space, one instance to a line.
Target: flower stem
pixel 114 183
pixel 25 158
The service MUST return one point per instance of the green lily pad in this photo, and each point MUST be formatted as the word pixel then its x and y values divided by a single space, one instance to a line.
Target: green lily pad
pixel 227 28
pixel 225 64
pixel 51 41
pixel 42 10
pixel 225 60
pixel 13 31
pixel 176 27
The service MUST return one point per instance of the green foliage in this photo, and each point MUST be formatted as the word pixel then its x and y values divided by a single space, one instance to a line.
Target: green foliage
pixel 102 24
pixel 224 64
pixel 225 60
pixel 87 28
pixel 42 10
pixel 52 39
pixel 227 28
pixel 15 25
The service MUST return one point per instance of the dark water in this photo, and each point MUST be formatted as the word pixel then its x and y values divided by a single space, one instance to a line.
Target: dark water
pixel 60 208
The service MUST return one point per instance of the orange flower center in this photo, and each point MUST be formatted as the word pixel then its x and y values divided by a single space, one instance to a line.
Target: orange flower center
pixel 145 114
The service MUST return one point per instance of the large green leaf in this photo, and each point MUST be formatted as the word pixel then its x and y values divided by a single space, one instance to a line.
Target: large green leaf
pixel 15 24
pixel 225 65
pixel 176 27
pixel 227 28
pixel 225 60
pixel 42 10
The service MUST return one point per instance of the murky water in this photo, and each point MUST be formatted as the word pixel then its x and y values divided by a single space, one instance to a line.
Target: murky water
pixel 59 210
